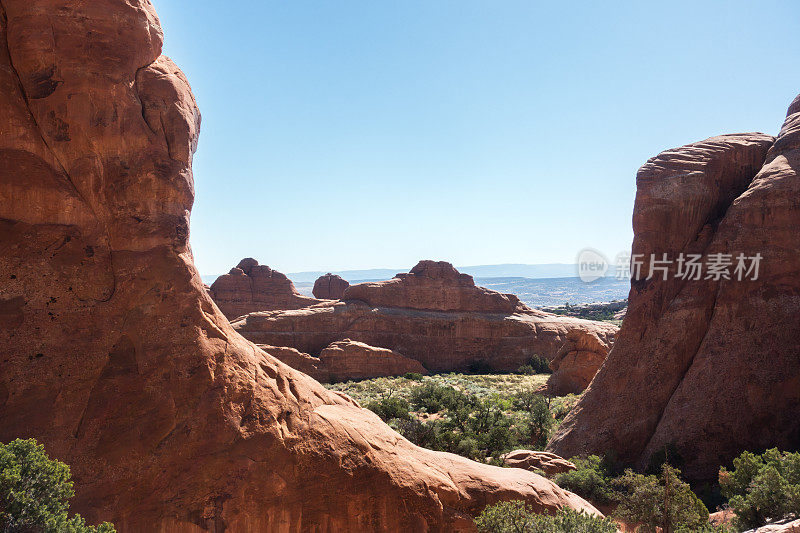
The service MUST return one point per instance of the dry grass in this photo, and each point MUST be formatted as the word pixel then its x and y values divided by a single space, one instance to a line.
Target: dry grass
pixel 480 385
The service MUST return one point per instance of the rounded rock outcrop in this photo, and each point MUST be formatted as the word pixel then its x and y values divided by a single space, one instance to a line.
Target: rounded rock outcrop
pixel 330 287
pixel 250 287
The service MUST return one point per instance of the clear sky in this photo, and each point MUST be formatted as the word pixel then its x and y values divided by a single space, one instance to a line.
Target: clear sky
pixel 341 135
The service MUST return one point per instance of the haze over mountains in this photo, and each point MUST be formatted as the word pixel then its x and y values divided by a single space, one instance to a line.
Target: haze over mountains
pixel 507 270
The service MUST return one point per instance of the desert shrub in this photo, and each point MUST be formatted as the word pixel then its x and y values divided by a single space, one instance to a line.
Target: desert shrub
pixel 517 517
pixel 484 421
pixel 705 528
pixel 662 501
pixel 526 369
pixel 536 421
pixel 480 367
pixel 424 434
pixel 35 492
pixel 413 376
pixel 563 405
pixel 668 455
pixel 535 365
pixel 389 408
pixel 540 365
pixel 762 487
pixel 591 480
pixel 433 397
pixel 525 399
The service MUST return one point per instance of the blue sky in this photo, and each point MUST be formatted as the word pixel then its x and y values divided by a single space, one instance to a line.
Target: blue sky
pixel 341 135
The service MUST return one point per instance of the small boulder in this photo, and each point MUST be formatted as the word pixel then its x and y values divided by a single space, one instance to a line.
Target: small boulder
pixel 330 287
pixel 345 360
pixel 549 463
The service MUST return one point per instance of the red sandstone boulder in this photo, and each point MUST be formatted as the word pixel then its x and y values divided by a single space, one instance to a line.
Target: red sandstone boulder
pixel 709 367
pixel 347 360
pixel 576 363
pixel 549 463
pixel 114 356
pixel 250 287
pixel 329 287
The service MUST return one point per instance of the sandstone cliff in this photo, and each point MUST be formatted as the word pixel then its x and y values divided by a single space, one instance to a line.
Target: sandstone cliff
pixel 708 367
pixel 250 287
pixel 114 356
pixel 433 314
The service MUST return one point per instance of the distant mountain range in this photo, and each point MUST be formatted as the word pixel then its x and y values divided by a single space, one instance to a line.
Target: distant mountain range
pixel 507 270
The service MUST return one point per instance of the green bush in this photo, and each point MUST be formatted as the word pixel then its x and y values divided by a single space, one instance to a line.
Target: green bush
pixel 590 480
pixel 480 367
pixel 35 492
pixel 762 487
pixel 662 501
pixel 389 408
pixel 526 369
pixel 433 398
pixel 535 365
pixel 562 406
pixel 517 517
pixel 536 419
pixel 413 376
pixel 424 434
pixel 540 365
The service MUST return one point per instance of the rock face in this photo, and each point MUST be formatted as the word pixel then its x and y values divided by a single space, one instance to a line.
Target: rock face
pixel 330 287
pixel 115 358
pixel 707 366
pixel 346 360
pixel 576 363
pixel 250 287
pixel 434 286
pixel 432 315
pixel 549 463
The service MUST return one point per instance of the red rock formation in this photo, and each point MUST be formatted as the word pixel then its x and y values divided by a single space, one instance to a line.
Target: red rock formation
pixel 433 286
pixel 114 356
pixel 433 315
pixel 349 359
pixel 250 287
pixel 329 287
pixel 576 363
pixel 709 367
pixel 549 463
pixel 346 360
